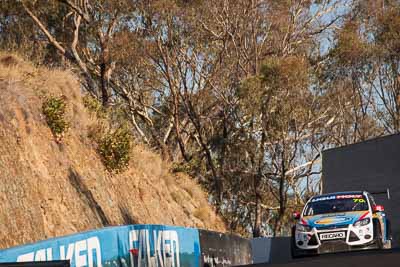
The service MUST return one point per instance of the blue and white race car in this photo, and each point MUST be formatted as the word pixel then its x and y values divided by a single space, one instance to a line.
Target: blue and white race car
pixel 342 221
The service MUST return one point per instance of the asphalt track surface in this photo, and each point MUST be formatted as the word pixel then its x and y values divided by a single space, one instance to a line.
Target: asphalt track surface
pixel 368 258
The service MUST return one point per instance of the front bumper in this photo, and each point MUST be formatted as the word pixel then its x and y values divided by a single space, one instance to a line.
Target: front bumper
pixel 335 239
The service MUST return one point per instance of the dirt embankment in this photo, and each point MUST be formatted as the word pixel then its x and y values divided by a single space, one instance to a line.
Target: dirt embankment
pixel 51 189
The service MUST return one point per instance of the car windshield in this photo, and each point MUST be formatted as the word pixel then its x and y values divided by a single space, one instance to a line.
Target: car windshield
pixel 336 203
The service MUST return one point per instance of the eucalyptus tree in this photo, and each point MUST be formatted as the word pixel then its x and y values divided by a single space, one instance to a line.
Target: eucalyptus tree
pixel 240 94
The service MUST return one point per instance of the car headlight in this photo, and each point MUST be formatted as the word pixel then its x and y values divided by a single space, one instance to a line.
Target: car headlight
pixel 303 228
pixel 362 222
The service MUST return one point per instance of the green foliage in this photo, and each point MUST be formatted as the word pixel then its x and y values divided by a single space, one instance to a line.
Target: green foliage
pixel 180 167
pixel 54 109
pixel 114 141
pixel 193 167
pixel 94 106
pixel 350 49
pixel 251 92
pixel 114 148
pixel 271 72
pixel 280 93
pixel 388 31
pixel 291 72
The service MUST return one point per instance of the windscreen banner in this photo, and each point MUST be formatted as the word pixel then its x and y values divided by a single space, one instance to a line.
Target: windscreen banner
pixel 130 246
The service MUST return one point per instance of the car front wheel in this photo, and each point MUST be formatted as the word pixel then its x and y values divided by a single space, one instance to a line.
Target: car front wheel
pixel 293 247
pixel 378 235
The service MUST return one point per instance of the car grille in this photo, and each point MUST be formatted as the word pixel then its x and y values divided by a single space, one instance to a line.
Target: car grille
pixel 330 227
pixel 331 246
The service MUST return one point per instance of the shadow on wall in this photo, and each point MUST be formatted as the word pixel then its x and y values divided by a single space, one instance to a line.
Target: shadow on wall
pixel 86 195
pixel 271 250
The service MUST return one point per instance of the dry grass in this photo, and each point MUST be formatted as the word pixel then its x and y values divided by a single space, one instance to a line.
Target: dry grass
pixel 42 180
pixel 202 213
pixel 178 197
pixel 192 189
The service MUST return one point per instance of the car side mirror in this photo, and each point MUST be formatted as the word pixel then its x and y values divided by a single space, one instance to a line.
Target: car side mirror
pixel 296 215
pixel 378 208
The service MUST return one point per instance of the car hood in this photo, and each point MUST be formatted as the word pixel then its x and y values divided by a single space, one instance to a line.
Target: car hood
pixel 332 219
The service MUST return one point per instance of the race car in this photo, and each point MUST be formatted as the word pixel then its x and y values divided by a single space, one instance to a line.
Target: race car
pixel 341 221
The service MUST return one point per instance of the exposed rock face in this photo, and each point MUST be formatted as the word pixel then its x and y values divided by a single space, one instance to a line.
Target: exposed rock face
pixel 51 189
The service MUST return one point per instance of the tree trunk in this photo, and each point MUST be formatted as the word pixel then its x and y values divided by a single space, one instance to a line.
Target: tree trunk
pixel 257 217
pixel 104 84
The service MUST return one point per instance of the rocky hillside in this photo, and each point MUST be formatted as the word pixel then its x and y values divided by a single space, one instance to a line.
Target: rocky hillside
pixel 50 188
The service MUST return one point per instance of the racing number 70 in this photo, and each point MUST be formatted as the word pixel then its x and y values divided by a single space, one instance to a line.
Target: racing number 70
pixel 359 200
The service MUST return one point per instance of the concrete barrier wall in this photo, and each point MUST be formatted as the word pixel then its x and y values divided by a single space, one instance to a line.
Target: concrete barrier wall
pixel 220 250
pixel 261 249
pixel 271 250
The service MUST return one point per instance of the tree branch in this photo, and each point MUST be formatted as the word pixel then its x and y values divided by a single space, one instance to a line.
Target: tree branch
pixel 78 10
pixel 52 40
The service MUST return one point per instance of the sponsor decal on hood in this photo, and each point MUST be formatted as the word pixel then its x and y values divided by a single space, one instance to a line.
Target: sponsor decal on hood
pixel 343 218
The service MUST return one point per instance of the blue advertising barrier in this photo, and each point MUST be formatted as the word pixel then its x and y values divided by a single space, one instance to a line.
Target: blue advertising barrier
pixel 120 246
